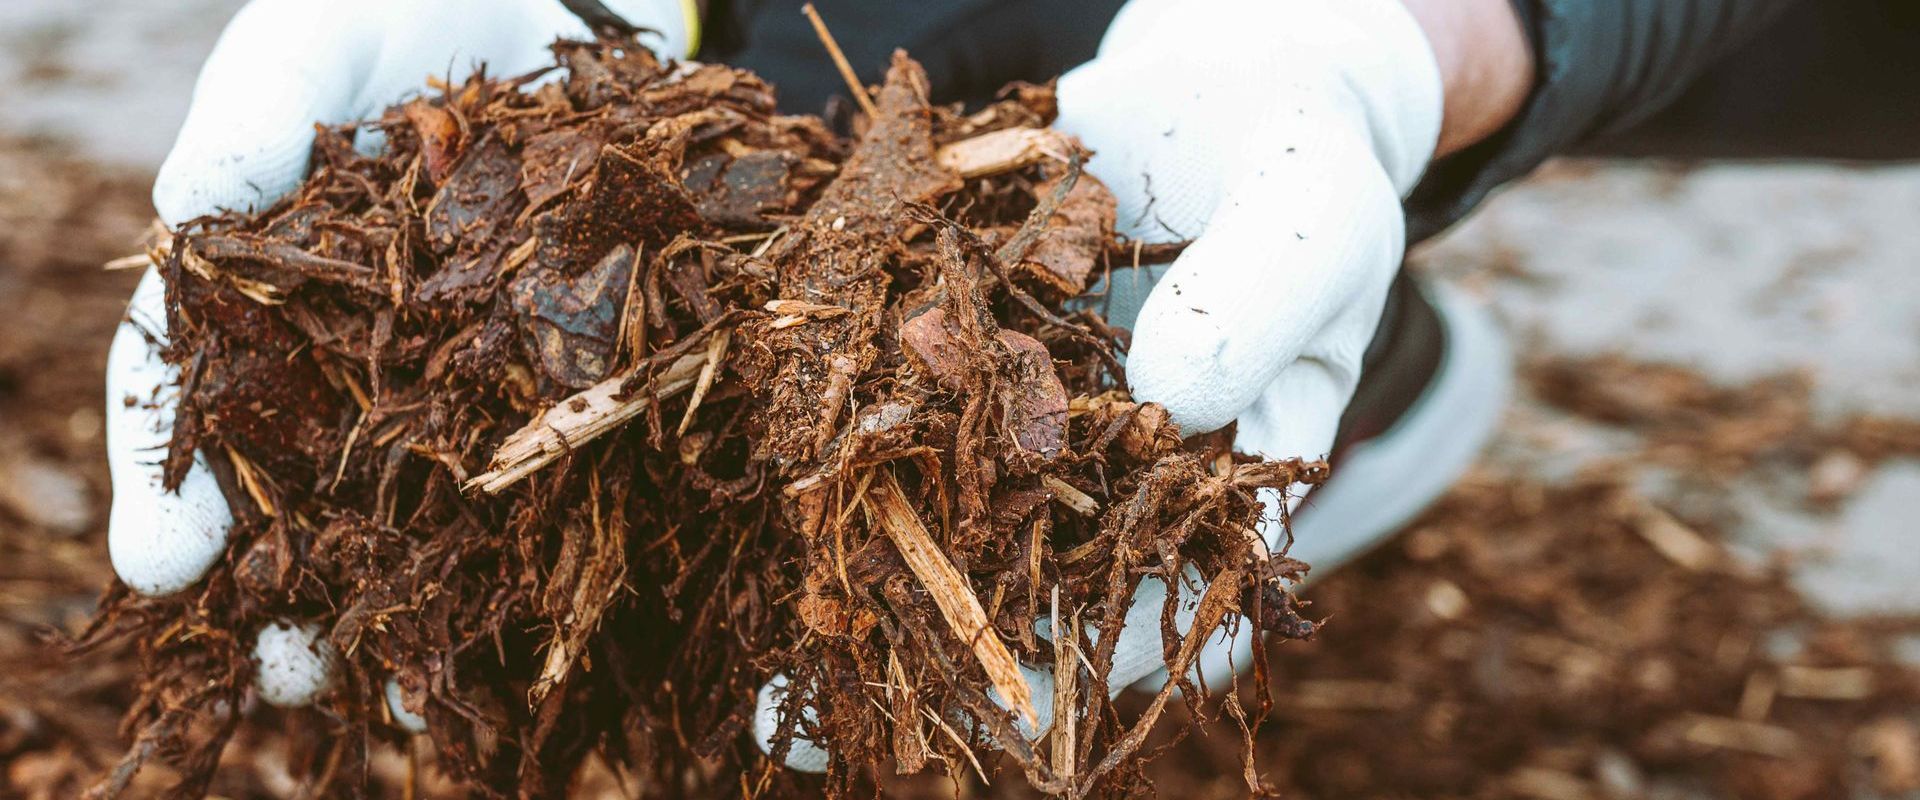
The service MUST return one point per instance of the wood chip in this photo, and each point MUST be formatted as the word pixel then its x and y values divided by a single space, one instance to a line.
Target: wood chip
pixel 1826 683
pixel 804 308
pixel 1074 500
pixel 1680 544
pixel 950 592
pixel 577 420
pixel 243 472
pixel 1066 674
pixel 1446 599
pixel 137 261
pixel 1003 151
pixel 1756 698
pixel 1548 784
pixel 1893 745
pixel 1722 733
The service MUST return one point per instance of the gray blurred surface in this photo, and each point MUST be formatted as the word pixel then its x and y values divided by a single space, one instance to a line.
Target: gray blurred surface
pixel 111 76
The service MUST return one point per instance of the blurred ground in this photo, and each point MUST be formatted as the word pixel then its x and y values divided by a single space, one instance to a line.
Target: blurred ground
pixel 1739 272
pixel 1685 569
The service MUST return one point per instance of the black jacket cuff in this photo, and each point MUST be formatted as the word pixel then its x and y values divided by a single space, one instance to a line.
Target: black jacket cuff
pixel 1602 66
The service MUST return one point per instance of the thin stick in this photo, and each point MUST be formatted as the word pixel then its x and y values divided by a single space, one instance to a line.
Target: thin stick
pixel 1070 496
pixel 840 61
pixel 951 593
pixel 716 351
pixel 1066 674
pixel 137 261
pixel 577 420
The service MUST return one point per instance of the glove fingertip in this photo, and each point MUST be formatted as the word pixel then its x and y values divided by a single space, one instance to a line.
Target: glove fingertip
pixel 161 543
pixel 207 177
pixel 1177 361
pixel 404 718
pixel 803 755
pixel 294 664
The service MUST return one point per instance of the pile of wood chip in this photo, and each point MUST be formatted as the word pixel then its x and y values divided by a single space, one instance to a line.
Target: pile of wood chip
pixel 592 404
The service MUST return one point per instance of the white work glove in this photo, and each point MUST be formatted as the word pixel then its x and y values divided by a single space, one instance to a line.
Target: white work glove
pixel 1280 136
pixel 280 67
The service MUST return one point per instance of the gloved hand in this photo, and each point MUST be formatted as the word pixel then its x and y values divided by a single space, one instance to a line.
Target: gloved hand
pixel 280 67
pixel 1279 135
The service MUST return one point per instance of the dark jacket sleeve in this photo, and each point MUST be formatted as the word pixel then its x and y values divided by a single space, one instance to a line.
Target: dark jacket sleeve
pixel 971 48
pixel 1603 65
pixel 1832 80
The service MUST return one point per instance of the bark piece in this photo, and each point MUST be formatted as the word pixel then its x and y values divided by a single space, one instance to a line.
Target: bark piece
pixel 571 324
pixel 1066 258
pixel 1037 407
pixel 632 199
pixel 439 134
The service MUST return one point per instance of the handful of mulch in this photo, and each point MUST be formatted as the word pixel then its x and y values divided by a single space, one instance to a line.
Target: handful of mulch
pixel 589 406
